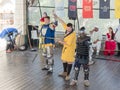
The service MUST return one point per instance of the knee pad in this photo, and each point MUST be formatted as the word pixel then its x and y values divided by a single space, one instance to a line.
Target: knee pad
pixel 50 61
pixel 76 68
pixel 86 71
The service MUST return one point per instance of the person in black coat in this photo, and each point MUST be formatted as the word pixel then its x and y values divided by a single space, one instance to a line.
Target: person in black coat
pixel 82 57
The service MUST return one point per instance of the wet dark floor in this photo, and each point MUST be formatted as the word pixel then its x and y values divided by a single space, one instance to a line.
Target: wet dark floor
pixel 22 71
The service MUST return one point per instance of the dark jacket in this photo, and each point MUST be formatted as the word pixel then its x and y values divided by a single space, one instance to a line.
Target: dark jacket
pixel 82 49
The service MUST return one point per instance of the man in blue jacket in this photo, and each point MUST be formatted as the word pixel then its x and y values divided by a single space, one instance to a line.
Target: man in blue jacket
pixel 48 33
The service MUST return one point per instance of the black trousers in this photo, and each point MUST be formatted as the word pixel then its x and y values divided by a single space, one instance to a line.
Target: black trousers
pixel 10 46
pixel 85 69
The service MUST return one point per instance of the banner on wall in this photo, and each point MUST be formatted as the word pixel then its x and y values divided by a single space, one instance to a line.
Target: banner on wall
pixel 117 8
pixel 104 11
pixel 59 8
pixel 87 11
pixel 72 9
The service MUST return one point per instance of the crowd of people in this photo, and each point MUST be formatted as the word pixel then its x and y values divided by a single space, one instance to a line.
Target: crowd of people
pixel 77 50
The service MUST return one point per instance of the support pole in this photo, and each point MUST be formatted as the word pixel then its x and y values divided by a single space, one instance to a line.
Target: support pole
pixel 74 24
pixel 40 8
pixel 78 22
